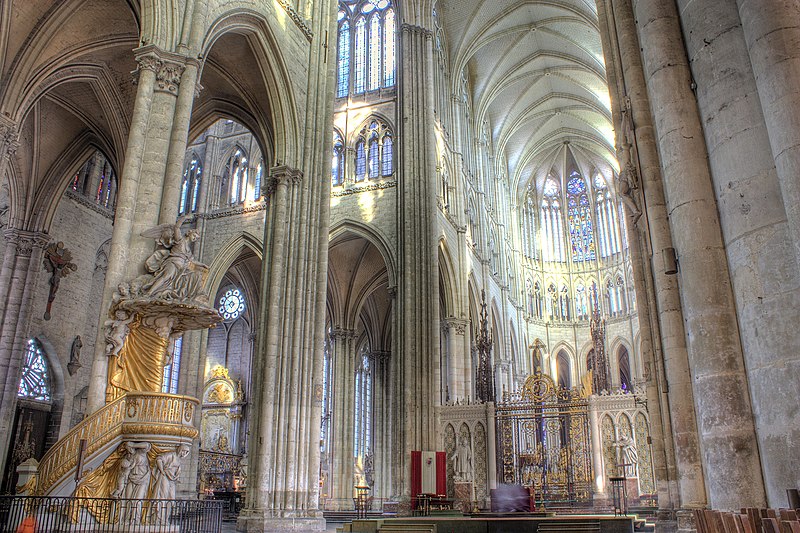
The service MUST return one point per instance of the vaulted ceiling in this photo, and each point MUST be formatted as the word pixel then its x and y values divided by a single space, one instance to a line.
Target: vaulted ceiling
pixel 536 74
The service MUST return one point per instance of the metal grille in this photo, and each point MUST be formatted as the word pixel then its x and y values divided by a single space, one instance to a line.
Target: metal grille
pixel 544 441
pixel 100 515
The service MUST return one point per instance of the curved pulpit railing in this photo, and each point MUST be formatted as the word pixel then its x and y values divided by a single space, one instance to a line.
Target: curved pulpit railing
pixel 136 413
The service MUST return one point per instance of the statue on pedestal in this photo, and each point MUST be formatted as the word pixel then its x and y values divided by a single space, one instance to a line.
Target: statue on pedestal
pixel 462 461
pixel 627 455
pixel 150 311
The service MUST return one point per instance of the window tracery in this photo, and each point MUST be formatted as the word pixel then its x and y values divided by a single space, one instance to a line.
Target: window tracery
pixel 235 177
pixel 372 64
pixel 35 381
pixel 172 371
pixel 190 186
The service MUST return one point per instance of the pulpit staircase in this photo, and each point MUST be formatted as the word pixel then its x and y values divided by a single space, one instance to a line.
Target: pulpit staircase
pixel 137 416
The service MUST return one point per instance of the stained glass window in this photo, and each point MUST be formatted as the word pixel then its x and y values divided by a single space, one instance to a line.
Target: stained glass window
pixel 231 304
pixel 607 217
pixel 361 56
pixel 337 164
pixel 344 58
pixel 389 58
pixel 375 42
pixel 257 184
pixel 35 381
pixel 552 223
pixel 190 187
pixel 363 406
pixel 361 160
pixel 372 43
pixel 580 221
pixel 374 155
pixel 172 371
pixel 236 174
pixel 387 162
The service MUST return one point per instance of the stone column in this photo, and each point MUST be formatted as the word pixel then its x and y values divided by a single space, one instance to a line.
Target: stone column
pixel 639 154
pixel 630 110
pixel 417 350
pixel 456 328
pixel 727 435
pixel 22 262
pixel 173 173
pixel 771 35
pixel 342 419
pixel 140 192
pixel 380 433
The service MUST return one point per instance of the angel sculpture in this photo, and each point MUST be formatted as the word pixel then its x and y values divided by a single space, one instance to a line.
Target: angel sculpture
pixel 176 275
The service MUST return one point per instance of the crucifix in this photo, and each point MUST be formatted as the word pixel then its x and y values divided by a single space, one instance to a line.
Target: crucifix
pixel 57 261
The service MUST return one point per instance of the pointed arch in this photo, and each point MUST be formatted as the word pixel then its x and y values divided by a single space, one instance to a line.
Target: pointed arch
pixel 279 119
pixel 227 255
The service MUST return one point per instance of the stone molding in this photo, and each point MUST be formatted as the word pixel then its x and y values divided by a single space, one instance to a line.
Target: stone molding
pixel 233 211
pixel 297 19
pixel 84 201
pixel 371 187
pixel 26 241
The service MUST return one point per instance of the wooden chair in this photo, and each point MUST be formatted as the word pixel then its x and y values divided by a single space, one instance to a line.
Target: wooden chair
pixel 790 526
pixel 770 525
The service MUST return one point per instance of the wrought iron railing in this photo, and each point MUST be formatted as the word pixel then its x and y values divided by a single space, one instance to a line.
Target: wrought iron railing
pixel 135 413
pixel 105 515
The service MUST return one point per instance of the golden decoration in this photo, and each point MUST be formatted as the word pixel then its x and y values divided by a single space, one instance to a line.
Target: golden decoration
pixel 220 393
pixel 139 365
pixel 219 372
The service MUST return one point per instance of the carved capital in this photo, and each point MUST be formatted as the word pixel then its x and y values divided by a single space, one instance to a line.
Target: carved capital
pixel 416 30
pixel 167 66
pixel 168 77
pixel 280 175
pixel 26 241
pixel 9 137
pixel 459 325
pixel 342 333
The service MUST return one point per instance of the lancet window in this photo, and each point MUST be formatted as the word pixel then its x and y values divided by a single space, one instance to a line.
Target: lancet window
pixel 367 46
pixel 236 177
pixel 190 186
pixel 552 222
pixel 35 381
pixel 625 381
pixel 337 164
pixel 563 370
pixel 363 405
pixel 608 227
pixel 580 219
pixel 171 371
pixel 97 181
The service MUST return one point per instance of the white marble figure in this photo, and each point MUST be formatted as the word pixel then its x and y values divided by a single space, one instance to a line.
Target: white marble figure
pixel 116 331
pixel 462 461
pixel 176 275
pixel 165 477
pixel 627 455
pixel 133 480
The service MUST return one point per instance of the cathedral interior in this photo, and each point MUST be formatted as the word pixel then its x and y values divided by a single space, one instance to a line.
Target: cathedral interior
pixel 312 257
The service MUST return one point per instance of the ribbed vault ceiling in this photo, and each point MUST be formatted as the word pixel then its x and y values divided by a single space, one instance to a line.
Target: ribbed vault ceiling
pixel 536 74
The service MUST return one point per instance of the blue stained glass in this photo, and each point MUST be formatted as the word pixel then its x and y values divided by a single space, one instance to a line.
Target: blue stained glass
pixel 361 161
pixel 344 60
pixel 35 381
pixel 374 52
pixel 576 185
pixel 389 57
pixel 386 163
pixel 584 200
pixel 374 157
pixel 361 56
